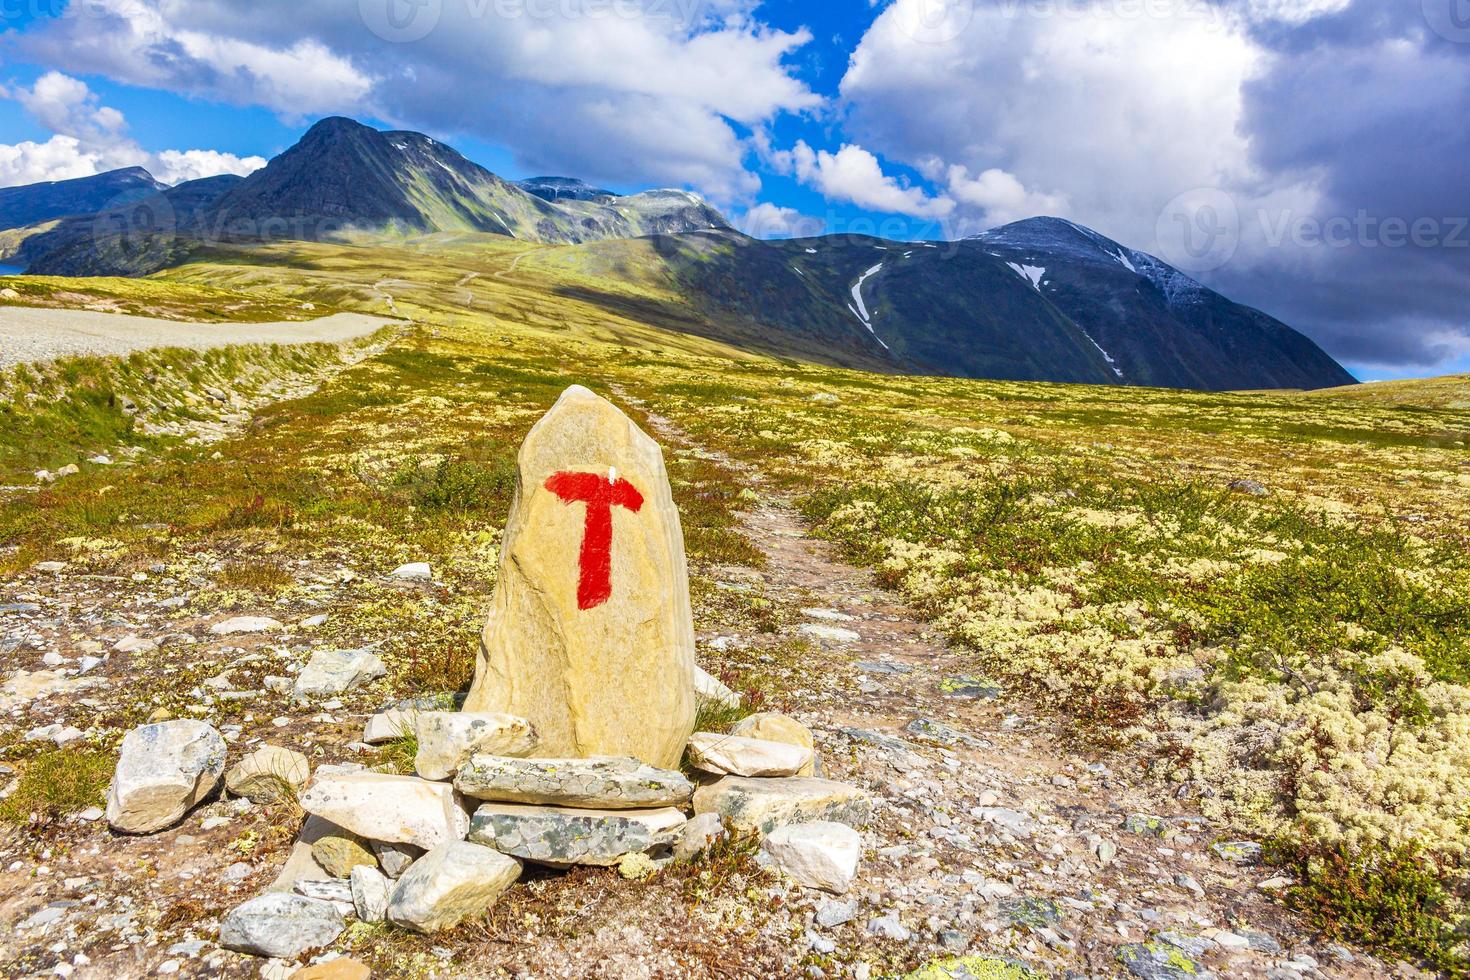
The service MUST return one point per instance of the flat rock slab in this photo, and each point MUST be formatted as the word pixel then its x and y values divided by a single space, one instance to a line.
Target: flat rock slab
pixel 163 771
pixel 563 836
pixel 449 884
pixel 737 755
pixel 280 926
pixel 762 805
pixel 246 624
pixel 395 809
pixel 605 783
pixel 385 726
pixel 775 727
pixel 447 739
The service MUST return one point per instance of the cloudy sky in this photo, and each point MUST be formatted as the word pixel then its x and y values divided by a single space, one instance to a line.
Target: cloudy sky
pixel 1308 157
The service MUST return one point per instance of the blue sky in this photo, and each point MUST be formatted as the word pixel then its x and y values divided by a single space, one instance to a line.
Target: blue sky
pixel 1303 156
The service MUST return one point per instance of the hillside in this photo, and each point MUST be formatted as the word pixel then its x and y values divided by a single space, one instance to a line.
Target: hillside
pixel 34 203
pixel 1080 666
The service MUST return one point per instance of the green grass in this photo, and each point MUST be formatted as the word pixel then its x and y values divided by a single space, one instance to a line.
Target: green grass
pixel 58 783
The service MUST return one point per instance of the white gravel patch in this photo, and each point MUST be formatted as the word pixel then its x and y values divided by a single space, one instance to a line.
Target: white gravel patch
pixel 30 334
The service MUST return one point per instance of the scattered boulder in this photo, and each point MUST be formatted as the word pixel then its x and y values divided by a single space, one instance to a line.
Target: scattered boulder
pixel 370 890
pixel 1251 488
pixel 1237 851
pixel 416 571
pixel 245 624
pixel 163 771
pixel 1145 825
pixel 280 926
pixel 828 634
pixel 775 727
pixel 699 835
pixel 449 884
pixel 736 755
pixel 563 836
pixel 820 854
pixel 602 783
pixel 396 809
pixel 336 672
pixel 447 739
pixel 1160 961
pixel 974 968
pixel 339 852
pixel 765 804
pixel 590 635
pixel 270 774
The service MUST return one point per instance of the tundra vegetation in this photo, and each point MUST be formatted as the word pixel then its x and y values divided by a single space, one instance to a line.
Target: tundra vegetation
pixel 1263 597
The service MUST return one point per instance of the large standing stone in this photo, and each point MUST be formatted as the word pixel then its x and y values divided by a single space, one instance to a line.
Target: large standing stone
pixel 765 804
pixel 451 883
pixel 605 784
pixel 776 727
pixel 562 836
pixel 590 635
pixel 447 739
pixel 280 926
pixel 396 809
pixel 162 771
pixel 821 854
pixel 736 755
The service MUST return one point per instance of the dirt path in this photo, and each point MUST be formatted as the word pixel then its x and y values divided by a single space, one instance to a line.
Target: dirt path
pixel 30 334
pixel 992 837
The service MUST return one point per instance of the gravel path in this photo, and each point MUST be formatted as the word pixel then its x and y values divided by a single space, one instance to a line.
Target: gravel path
pixel 30 334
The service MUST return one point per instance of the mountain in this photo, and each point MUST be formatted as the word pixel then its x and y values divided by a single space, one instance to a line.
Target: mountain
pixel 564 189
pixel 1156 325
pixel 344 179
pixel 32 203
pixel 1041 300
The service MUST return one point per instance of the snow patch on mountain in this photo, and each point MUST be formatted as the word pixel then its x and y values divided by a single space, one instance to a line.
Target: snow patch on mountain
pixel 1031 273
pixel 1106 356
pixel 860 309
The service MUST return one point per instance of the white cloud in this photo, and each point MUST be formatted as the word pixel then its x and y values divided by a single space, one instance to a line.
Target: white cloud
pixel 92 138
pixel 1110 116
pixel 854 175
pixel 999 197
pixel 766 220
pixel 620 93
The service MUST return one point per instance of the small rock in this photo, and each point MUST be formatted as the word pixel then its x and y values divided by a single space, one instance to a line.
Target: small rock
pixel 447 739
pixel 765 804
pixel 970 688
pixel 774 727
pixel 449 884
pixel 162 772
pixel 339 853
pixel 1237 851
pixel 418 571
pixel 1032 913
pixel 312 622
pixel 563 836
pixel 280 926
pixel 369 893
pixel 829 634
pixel 134 644
pixel 245 624
pixel 820 854
pixel 708 688
pixel 395 859
pixel 341 968
pixel 334 891
pixel 888 927
pixel 832 913
pixel 270 774
pixel 601 783
pixel 396 809
pixel 1145 825
pixel 336 672
pixel 386 726
pixel 1253 488
pixel 736 755
pixel 700 833
pixel 1160 961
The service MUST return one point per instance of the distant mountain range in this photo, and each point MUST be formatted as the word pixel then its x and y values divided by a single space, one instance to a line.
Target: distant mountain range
pixel 1042 299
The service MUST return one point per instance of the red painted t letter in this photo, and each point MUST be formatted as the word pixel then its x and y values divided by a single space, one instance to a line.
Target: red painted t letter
pixel 600 494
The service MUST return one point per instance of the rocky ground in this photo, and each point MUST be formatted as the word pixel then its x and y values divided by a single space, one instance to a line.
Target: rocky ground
pixel 995 835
